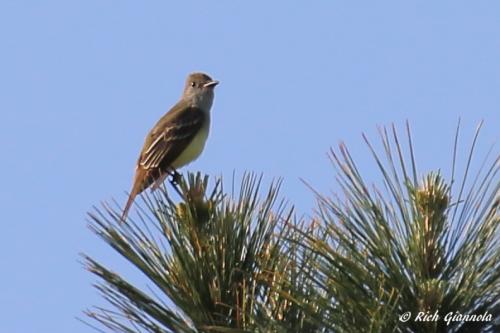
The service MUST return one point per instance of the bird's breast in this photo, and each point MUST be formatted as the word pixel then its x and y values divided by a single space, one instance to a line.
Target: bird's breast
pixel 194 149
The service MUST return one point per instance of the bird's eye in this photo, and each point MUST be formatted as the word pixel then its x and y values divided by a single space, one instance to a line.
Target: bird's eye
pixel 193 84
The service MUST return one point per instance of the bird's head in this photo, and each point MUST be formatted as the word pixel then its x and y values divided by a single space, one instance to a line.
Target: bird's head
pixel 199 85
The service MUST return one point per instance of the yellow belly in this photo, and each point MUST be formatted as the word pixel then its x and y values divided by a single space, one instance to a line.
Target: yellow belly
pixel 193 150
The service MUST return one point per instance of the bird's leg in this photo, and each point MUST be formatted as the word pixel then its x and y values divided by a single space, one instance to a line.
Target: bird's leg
pixel 176 177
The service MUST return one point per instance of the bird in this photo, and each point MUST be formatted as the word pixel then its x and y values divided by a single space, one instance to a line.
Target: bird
pixel 177 139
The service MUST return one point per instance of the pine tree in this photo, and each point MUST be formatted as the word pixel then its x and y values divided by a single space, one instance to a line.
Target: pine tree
pixel 242 262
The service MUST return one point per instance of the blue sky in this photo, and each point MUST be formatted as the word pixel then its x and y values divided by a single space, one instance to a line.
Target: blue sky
pixel 81 83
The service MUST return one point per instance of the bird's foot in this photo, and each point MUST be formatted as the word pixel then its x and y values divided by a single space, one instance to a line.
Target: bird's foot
pixel 176 178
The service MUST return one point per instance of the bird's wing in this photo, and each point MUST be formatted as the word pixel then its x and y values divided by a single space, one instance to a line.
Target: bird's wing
pixel 170 136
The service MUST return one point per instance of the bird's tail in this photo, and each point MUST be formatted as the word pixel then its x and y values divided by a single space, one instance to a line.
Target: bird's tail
pixel 129 203
pixel 137 187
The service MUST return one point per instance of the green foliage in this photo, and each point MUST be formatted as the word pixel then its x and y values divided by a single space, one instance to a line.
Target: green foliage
pixel 221 260
pixel 239 262
pixel 408 248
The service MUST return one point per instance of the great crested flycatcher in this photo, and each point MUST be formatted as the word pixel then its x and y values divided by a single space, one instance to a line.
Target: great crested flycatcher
pixel 178 137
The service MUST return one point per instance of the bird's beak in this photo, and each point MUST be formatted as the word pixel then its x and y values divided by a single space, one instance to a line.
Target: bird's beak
pixel 211 84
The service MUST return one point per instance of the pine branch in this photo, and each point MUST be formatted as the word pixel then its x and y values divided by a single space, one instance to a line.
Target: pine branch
pixel 220 259
pixel 408 248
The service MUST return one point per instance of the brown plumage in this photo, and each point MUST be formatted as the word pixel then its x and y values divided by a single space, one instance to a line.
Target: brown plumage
pixel 177 138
